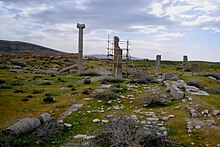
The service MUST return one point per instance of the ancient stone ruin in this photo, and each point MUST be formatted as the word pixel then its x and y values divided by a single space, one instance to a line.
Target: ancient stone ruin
pixel 195 67
pixel 158 60
pixel 185 60
pixel 117 58
pixel 80 47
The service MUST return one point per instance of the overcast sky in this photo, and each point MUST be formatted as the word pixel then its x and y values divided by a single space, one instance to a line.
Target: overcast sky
pixel 172 28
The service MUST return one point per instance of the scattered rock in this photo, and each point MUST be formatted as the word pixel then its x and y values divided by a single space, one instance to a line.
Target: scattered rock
pixel 67 125
pixel 210 122
pixel 96 120
pixel 105 121
pixel 171 116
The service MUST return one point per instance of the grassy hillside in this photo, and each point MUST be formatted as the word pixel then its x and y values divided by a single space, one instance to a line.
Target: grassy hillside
pixel 15 47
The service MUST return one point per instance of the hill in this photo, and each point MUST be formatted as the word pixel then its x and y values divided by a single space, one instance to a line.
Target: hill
pixel 15 47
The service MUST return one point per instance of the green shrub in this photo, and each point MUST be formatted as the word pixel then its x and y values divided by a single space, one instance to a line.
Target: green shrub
pixel 196 83
pixel 154 101
pixel 19 91
pixel 16 82
pixel 111 80
pixel 48 99
pixel 2 81
pixel 4 86
pixel 37 91
pixel 107 95
pixel 87 81
pixel 214 90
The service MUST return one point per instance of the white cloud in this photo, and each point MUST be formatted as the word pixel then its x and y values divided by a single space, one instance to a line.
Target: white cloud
pixel 217 30
pixel 146 29
pixel 156 9
pixel 168 36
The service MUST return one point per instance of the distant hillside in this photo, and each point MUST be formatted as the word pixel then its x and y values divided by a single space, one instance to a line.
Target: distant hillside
pixel 15 47
pixel 103 56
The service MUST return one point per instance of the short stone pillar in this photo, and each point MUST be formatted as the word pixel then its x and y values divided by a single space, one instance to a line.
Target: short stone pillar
pixel 185 60
pixel 80 47
pixel 195 67
pixel 117 58
pixel 158 60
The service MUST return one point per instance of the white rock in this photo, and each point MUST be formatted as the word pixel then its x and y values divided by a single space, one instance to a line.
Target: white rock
pixel 210 122
pixel 216 112
pixel 198 127
pixel 164 118
pixel 89 137
pixel 189 99
pixel 67 125
pixel 133 117
pixel 171 116
pixel 80 136
pixel 116 107
pixel 105 121
pixel 96 120
pixel 163 128
pixel 60 121
pixel 165 133
pixel 110 115
pixel 177 107
pixel 99 101
pixel 143 122
pixel 153 119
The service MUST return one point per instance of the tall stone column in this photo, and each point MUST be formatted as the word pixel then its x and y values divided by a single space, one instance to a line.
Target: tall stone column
pixel 80 47
pixel 158 60
pixel 185 60
pixel 117 58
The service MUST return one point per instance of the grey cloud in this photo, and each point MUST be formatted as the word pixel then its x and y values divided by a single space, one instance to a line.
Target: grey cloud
pixel 117 15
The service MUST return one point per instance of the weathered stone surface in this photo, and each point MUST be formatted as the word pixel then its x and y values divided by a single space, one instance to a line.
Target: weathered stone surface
pixel 73 108
pixel 185 60
pixel 96 120
pixel 117 58
pixel 170 76
pixel 176 92
pixel 195 67
pixel 158 60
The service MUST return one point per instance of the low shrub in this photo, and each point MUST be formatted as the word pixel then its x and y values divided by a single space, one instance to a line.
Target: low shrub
pixel 91 73
pixel 2 81
pixel 19 91
pixel 214 90
pixel 16 82
pixel 143 80
pixel 111 80
pixel 217 76
pixel 195 82
pixel 48 99
pixel 120 88
pixel 154 101
pixel 123 132
pixel 4 86
pixel 37 91
pixel 87 81
pixel 107 95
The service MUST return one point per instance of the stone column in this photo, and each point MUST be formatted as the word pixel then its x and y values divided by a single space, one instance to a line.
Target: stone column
pixel 158 60
pixel 117 58
pixel 195 67
pixel 185 60
pixel 80 47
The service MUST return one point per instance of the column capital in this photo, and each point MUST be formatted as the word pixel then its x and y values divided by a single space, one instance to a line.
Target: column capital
pixel 80 26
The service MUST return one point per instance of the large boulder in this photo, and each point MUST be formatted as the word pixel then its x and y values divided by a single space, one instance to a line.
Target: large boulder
pixel 176 92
